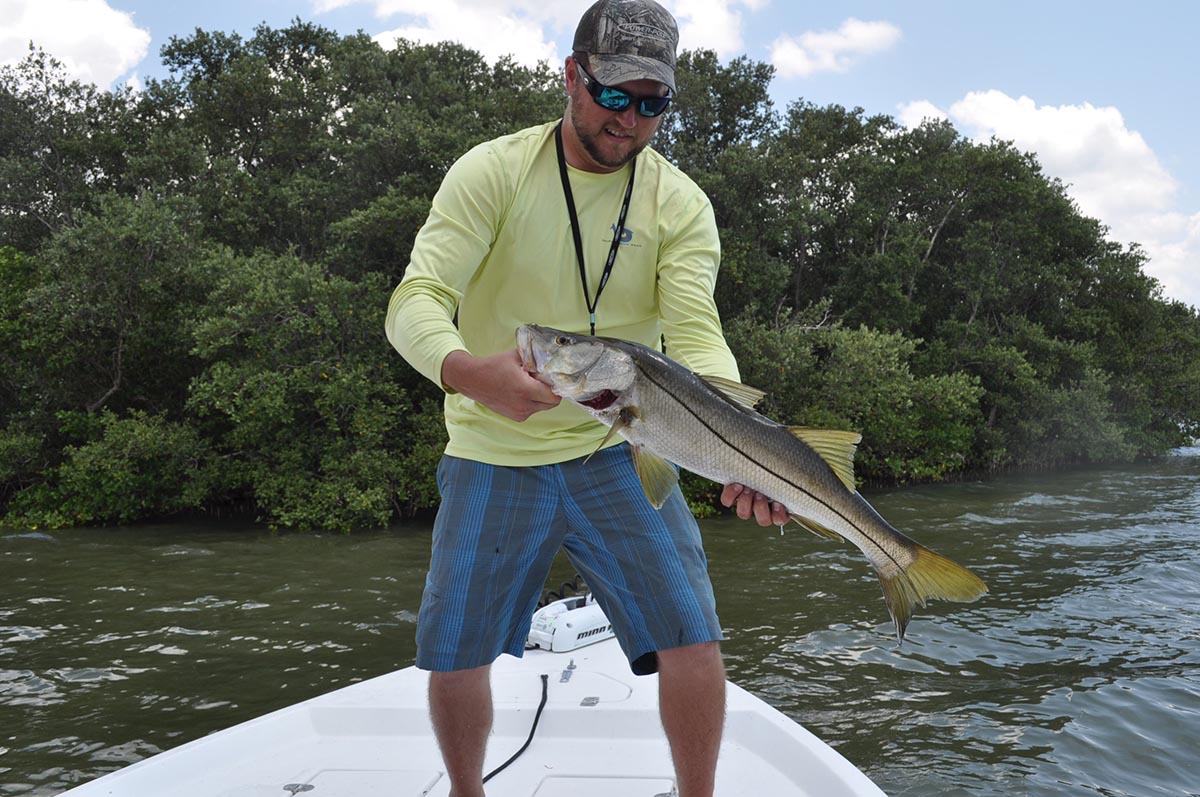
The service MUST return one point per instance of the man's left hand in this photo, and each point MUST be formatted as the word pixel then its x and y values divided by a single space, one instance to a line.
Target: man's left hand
pixel 749 502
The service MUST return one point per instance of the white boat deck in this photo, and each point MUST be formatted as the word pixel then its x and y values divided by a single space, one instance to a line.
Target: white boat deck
pixel 599 736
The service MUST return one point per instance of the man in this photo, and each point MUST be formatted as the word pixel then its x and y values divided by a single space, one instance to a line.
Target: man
pixel 576 226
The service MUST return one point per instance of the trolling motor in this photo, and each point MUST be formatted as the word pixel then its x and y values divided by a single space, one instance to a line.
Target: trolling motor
pixel 568 624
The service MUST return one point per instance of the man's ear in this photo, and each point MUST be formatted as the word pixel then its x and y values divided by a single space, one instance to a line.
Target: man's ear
pixel 570 73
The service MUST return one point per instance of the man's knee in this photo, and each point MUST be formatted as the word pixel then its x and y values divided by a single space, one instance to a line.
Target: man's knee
pixel 459 681
pixel 703 656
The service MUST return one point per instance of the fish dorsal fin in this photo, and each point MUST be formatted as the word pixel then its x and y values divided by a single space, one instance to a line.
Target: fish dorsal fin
pixel 657 475
pixel 742 395
pixel 816 528
pixel 834 446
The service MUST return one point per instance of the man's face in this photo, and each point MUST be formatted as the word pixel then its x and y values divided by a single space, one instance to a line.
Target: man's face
pixel 608 139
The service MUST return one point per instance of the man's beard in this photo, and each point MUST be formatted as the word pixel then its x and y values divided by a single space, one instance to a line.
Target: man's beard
pixel 592 146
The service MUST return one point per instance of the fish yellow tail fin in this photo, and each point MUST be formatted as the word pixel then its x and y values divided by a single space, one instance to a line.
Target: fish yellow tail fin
pixel 931 576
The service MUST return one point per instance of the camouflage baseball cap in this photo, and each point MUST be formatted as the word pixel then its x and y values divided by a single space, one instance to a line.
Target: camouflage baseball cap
pixel 628 40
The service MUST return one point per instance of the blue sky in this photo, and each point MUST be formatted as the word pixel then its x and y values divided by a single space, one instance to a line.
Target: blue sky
pixel 1107 94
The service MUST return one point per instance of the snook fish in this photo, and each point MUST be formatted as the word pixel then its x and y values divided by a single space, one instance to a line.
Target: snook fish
pixel 708 426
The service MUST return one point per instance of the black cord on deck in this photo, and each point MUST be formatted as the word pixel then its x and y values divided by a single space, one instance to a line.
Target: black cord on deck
pixel 532 731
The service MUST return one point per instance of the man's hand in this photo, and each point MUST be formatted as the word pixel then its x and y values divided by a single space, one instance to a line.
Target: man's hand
pixel 498 383
pixel 749 502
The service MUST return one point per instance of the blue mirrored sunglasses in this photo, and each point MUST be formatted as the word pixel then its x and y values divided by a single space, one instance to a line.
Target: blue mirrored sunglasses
pixel 617 100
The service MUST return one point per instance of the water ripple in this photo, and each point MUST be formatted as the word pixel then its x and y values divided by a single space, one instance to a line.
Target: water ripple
pixel 1078 674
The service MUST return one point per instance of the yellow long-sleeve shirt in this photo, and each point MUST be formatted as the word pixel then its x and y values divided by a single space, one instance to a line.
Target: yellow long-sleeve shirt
pixel 497 250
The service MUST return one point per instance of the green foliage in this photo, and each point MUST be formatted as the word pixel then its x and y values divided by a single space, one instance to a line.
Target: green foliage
pixel 106 321
pixel 913 427
pixel 301 128
pixel 16 278
pixel 719 132
pixel 18 455
pixel 61 144
pixel 139 466
pixel 716 108
pixel 302 397
pixel 193 280
pixel 702 496
pixel 377 238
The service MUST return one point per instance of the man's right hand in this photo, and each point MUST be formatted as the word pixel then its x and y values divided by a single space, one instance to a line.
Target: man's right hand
pixel 498 382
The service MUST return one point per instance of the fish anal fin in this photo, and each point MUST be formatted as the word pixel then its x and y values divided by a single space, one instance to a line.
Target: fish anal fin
pixel 657 475
pixel 744 396
pixel 834 446
pixel 816 528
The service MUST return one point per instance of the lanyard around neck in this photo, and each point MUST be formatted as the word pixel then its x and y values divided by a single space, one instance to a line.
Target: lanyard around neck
pixel 618 233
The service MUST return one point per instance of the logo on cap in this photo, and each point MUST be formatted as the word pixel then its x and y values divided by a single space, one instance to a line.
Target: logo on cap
pixel 646 31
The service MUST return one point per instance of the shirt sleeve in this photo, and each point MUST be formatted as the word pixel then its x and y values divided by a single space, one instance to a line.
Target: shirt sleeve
pixel 449 248
pixel 687 276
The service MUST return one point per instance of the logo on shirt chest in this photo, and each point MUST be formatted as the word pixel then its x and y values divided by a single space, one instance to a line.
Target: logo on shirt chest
pixel 626 234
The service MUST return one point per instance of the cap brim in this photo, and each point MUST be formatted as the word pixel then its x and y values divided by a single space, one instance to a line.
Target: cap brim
pixel 612 70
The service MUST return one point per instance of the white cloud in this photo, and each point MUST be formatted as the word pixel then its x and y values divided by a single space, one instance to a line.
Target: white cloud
pixel 713 24
pixel 94 42
pixel 913 113
pixel 321 6
pixel 1172 242
pixel 531 30
pixel 1108 169
pixel 831 51
pixel 1112 171
pixel 527 30
pixel 494 37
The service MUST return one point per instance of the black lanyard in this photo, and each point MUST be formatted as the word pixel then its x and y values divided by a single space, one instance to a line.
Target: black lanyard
pixel 617 235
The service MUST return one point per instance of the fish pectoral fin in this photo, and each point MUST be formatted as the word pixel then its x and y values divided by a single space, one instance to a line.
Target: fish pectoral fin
pixel 834 446
pixel 817 528
pixel 657 475
pixel 612 430
pixel 742 395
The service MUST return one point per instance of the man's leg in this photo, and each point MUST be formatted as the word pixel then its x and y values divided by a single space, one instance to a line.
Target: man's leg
pixel 460 704
pixel 494 539
pixel 691 700
pixel 648 571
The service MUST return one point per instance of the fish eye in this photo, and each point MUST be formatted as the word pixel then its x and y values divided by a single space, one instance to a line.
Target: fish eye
pixel 562 340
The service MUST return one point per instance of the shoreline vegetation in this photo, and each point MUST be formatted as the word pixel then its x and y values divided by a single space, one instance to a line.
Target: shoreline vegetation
pixel 193 279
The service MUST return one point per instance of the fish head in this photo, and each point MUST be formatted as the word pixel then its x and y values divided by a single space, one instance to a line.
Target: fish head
pixel 595 372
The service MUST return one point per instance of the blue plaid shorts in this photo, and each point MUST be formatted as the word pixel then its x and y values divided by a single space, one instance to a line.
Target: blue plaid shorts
pixel 497 533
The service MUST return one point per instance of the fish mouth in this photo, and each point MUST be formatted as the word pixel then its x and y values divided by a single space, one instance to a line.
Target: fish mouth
pixel 601 401
pixel 525 348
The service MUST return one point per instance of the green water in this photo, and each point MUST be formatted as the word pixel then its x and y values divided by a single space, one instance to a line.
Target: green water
pixel 1079 674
